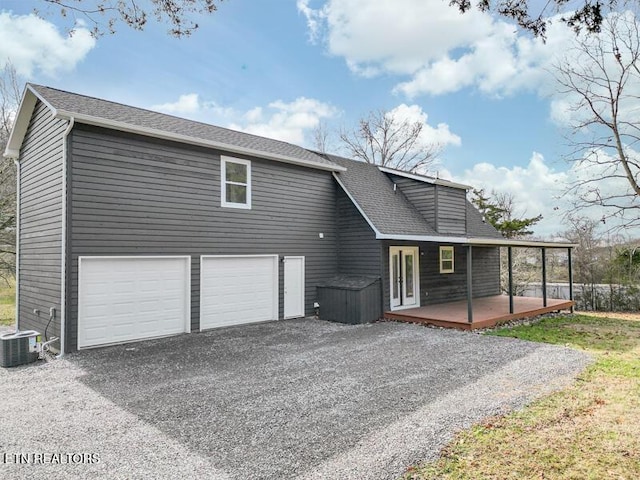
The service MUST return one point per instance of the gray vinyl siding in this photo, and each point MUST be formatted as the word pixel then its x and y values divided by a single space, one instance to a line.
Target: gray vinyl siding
pixel 439 287
pixel 486 271
pixel 436 287
pixel 451 210
pixel 40 229
pixel 443 207
pixel 132 195
pixel 359 253
pixel 422 195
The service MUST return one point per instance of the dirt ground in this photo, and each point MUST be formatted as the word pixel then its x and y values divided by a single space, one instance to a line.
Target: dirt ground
pixel 623 315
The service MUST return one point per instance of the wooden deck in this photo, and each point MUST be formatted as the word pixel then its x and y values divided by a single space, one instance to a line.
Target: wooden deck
pixel 487 312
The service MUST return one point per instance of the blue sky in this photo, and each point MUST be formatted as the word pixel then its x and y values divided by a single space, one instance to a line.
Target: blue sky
pixel 278 68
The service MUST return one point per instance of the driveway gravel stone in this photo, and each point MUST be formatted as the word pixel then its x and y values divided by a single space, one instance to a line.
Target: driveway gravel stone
pixel 291 399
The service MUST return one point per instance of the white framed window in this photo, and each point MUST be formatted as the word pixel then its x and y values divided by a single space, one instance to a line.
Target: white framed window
pixel 235 179
pixel 446 260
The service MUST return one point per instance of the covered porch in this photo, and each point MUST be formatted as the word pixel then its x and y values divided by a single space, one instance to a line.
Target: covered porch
pixel 487 311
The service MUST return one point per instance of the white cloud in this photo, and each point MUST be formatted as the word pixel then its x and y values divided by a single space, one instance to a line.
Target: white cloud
pixel 436 47
pixel 192 106
pixel 33 44
pixel 314 18
pixel 287 121
pixel 537 188
pixel 440 134
pixel 186 104
pixel 397 36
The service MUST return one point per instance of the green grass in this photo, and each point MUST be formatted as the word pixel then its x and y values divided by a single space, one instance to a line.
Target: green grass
pixel 587 431
pixel 7 304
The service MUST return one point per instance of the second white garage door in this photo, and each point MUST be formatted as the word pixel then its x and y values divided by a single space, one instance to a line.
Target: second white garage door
pixel 238 289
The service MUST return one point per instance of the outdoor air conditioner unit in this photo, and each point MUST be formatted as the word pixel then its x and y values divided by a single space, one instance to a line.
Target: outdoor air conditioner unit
pixel 18 348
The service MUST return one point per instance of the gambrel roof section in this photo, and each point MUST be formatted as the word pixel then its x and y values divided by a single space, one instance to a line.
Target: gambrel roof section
pixel 104 113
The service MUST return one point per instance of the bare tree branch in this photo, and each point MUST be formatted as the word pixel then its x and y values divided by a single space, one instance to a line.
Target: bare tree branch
pixel 385 140
pixel 9 99
pixel 103 15
pixel 321 137
pixel 600 79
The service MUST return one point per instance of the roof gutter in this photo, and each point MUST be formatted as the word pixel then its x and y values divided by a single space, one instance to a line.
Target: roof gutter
pixel 18 172
pixel 476 241
pixel 153 132
pixel 425 179
pixel 63 262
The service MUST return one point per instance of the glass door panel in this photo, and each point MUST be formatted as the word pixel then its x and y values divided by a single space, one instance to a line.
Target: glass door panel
pixel 409 277
pixel 396 296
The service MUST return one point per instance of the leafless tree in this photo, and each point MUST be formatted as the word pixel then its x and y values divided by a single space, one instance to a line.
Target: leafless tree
pixel 385 140
pixel 321 137
pixel 9 99
pixel 103 15
pixel 600 81
pixel 588 258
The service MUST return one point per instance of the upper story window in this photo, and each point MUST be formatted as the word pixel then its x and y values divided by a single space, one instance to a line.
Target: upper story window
pixel 446 259
pixel 236 183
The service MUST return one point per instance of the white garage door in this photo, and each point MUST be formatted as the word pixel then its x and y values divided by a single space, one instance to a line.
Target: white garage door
pixel 123 299
pixel 238 289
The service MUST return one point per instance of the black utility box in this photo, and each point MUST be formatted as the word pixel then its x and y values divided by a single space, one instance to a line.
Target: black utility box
pixel 350 299
pixel 18 348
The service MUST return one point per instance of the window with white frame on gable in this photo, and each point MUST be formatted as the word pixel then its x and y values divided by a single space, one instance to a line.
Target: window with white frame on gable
pixel 235 183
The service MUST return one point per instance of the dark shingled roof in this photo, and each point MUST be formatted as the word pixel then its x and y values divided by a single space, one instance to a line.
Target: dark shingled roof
pixel 83 105
pixel 390 211
pixel 476 227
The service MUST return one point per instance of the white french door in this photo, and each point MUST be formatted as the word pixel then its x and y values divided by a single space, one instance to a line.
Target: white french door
pixel 404 277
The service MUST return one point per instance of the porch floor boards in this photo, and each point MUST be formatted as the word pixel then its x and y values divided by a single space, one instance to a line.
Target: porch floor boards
pixel 487 311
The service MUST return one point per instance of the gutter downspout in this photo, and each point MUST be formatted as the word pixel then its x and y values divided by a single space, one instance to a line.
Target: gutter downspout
pixel 63 263
pixel 17 164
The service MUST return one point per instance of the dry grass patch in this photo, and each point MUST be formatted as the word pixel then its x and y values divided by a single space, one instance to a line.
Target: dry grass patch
pixel 7 303
pixel 588 431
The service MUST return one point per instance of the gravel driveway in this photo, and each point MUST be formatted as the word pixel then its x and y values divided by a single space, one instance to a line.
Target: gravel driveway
pixel 291 399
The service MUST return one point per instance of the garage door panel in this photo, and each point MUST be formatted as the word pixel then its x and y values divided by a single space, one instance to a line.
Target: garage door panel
pixel 236 290
pixel 125 299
